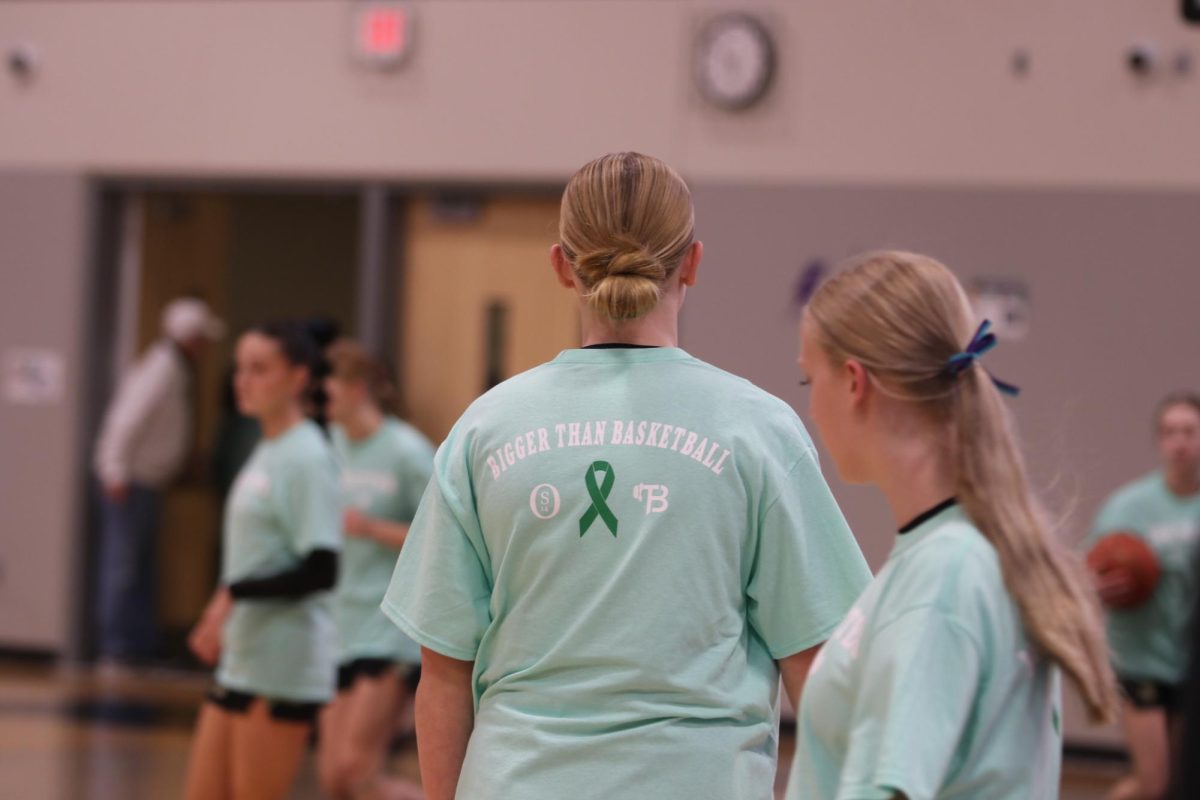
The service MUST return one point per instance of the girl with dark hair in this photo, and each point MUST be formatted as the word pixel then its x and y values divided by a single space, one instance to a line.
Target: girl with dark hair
pixel 269 626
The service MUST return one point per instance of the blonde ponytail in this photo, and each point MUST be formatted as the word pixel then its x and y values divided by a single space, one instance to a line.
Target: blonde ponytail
pixel 1049 586
pixel 625 223
pixel 903 316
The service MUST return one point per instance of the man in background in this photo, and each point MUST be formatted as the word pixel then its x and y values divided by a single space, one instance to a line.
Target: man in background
pixel 143 444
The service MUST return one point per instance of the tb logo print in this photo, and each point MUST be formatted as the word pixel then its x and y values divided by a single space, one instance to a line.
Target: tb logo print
pixel 655 496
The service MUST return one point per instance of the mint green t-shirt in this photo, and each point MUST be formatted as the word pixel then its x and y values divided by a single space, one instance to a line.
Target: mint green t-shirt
pixel 284 504
pixel 1149 642
pixel 930 686
pixel 623 541
pixel 384 477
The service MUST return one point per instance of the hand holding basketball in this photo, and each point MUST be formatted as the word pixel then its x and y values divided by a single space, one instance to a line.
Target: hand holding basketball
pixel 1125 568
pixel 1117 588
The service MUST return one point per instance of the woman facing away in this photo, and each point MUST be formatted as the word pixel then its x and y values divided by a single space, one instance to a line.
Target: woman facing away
pixel 943 681
pixel 621 550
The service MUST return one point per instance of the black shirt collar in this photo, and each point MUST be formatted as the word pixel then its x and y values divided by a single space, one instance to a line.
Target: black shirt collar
pixel 930 514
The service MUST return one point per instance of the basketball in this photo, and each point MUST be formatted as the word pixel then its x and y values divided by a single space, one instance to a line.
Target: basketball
pixel 1127 552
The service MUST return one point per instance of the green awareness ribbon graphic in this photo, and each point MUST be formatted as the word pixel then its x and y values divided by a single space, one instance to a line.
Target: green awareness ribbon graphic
pixel 599 495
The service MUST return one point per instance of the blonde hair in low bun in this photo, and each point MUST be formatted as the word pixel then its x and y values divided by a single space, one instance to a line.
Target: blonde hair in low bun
pixel 625 223
pixel 623 281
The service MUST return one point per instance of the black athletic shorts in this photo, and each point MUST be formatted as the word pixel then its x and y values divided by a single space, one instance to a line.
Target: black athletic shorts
pixel 281 710
pixel 351 671
pixel 1153 694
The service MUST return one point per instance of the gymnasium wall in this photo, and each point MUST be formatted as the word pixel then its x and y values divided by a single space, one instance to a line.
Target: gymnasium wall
pixel 904 91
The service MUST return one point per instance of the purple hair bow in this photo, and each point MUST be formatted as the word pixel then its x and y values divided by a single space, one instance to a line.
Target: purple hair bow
pixel 980 343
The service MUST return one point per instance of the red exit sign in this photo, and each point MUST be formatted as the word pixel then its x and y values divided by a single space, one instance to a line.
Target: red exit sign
pixel 382 33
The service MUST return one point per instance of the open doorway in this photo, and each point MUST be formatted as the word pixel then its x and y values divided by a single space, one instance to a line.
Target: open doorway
pixel 252 256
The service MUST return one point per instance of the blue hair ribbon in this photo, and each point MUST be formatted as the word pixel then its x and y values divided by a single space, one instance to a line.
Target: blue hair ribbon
pixel 983 341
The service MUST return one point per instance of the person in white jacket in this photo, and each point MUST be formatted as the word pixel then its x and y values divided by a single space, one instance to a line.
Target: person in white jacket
pixel 143 444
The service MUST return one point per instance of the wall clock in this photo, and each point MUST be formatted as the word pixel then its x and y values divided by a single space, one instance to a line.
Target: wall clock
pixel 734 61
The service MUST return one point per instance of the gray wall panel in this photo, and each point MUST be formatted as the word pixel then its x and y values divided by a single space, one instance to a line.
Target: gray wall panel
pixel 44 228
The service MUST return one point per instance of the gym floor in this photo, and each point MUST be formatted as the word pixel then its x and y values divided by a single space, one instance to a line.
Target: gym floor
pixel 78 735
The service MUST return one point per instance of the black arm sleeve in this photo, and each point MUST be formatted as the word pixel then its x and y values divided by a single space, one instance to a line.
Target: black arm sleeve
pixel 315 573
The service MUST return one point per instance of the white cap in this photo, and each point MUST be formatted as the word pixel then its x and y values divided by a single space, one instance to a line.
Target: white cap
pixel 186 319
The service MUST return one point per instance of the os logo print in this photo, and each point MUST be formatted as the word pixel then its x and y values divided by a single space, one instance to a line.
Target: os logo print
pixel 544 501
